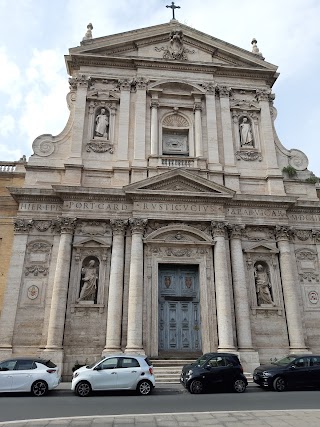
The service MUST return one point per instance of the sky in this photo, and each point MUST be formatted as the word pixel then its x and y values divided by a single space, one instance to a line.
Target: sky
pixel 36 34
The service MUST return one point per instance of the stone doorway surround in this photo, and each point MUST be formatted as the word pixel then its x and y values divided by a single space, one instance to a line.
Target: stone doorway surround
pixel 179 244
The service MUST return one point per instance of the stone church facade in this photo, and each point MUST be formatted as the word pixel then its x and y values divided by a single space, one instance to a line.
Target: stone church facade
pixel 161 220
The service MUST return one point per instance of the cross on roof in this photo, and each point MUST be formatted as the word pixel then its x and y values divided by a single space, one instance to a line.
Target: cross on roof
pixel 173 7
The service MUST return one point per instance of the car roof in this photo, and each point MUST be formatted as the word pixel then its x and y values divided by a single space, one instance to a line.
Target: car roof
pixel 35 359
pixel 303 355
pixel 219 354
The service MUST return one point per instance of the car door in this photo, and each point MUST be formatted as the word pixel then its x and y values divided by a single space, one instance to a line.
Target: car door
pixel 6 368
pixel 105 377
pixel 128 372
pixel 22 375
pixel 298 373
pixel 314 370
pixel 214 372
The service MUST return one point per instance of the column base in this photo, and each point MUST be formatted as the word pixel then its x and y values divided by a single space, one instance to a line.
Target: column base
pixel 56 356
pixel 227 349
pixel 111 350
pixel 299 350
pixel 249 359
pixel 135 350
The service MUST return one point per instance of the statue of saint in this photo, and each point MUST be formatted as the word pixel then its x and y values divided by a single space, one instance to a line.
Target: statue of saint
pixel 175 49
pixel 263 285
pixel 246 136
pixel 89 279
pixel 102 124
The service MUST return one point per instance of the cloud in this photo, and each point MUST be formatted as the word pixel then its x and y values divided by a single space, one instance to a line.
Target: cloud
pixel 7 125
pixel 10 82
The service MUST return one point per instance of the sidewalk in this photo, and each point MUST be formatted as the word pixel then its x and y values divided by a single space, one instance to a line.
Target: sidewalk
pixel 296 418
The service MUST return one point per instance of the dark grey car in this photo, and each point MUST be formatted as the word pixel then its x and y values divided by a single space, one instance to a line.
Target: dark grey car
pixel 294 370
pixel 214 370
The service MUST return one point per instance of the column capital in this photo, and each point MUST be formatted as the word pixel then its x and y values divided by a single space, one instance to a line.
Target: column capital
pixel 81 80
pixel 197 106
pixel 65 225
pixel 283 232
pixel 218 228
pixel 125 84
pixel 154 103
pixel 236 231
pixel 316 235
pixel 118 226
pixel 265 95
pixel 22 226
pixel 210 88
pixel 138 225
pixel 224 91
pixel 140 83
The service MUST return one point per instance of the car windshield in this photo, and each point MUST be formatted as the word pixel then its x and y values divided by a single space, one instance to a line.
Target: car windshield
pixel 93 364
pixel 285 361
pixel 201 361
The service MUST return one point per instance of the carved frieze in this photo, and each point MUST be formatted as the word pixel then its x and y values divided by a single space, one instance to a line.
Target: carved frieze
pixel 248 155
pixel 92 228
pixel 316 235
pixel 42 225
pixel 179 252
pixel 36 270
pixel 99 147
pixel 259 233
pixel 302 234
pixel 283 232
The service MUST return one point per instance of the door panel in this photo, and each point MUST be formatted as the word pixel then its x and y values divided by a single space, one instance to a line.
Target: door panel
pixel 179 308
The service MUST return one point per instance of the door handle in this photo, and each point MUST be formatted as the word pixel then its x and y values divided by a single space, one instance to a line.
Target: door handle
pixel 133 372
pixel 113 373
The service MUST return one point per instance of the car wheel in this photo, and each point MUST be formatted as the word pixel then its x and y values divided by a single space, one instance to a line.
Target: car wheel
pixel 144 388
pixel 239 386
pixel 196 387
pixel 39 388
pixel 83 389
pixel 279 384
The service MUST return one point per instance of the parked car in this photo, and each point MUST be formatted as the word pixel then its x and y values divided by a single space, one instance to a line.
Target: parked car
pixel 222 370
pixel 294 370
pixel 28 374
pixel 122 372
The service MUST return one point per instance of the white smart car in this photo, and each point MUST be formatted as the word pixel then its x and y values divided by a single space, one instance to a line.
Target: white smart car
pixel 121 372
pixel 29 374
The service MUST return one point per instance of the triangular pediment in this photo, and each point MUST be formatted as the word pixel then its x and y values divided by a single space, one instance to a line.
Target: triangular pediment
pixel 179 182
pixel 152 43
pixel 262 248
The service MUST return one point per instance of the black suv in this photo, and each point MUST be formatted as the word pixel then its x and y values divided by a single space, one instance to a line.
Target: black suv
pixel 295 370
pixel 214 370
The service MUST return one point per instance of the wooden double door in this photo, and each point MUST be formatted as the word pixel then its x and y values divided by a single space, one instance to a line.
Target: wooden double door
pixel 179 308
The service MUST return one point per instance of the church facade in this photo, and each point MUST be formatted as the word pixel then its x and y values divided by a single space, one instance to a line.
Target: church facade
pixel 167 218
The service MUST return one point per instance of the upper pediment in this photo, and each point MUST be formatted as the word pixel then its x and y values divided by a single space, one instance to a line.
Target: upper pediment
pixel 179 182
pixel 174 42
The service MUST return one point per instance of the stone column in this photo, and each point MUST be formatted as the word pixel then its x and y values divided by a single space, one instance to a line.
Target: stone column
pixel 223 297
pixel 291 301
pixel 60 287
pixel 229 158
pixel 197 108
pixel 139 144
pixel 14 280
pixel 135 308
pixel 154 151
pixel 80 82
pixel 241 301
pixel 114 316
pixel 123 137
pixel 213 149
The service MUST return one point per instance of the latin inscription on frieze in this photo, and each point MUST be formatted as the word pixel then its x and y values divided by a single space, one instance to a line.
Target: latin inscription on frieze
pixel 97 206
pixel 40 207
pixel 177 208
pixel 257 213
pixel 304 217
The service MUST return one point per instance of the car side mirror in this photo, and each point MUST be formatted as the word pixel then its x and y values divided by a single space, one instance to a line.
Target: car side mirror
pixel 293 367
pixel 208 367
pixel 98 368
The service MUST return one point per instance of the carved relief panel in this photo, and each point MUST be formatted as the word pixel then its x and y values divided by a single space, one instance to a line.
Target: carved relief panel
pixel 308 271
pixel 36 270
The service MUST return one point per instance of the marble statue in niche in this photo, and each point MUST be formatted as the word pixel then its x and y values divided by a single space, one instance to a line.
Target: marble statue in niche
pixel 102 124
pixel 263 285
pixel 246 136
pixel 89 280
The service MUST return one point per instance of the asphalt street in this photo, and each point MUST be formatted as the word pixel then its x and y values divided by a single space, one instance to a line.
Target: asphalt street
pixel 165 399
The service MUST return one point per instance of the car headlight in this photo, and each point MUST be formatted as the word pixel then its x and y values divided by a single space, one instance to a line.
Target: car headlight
pixel 190 372
pixel 266 374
